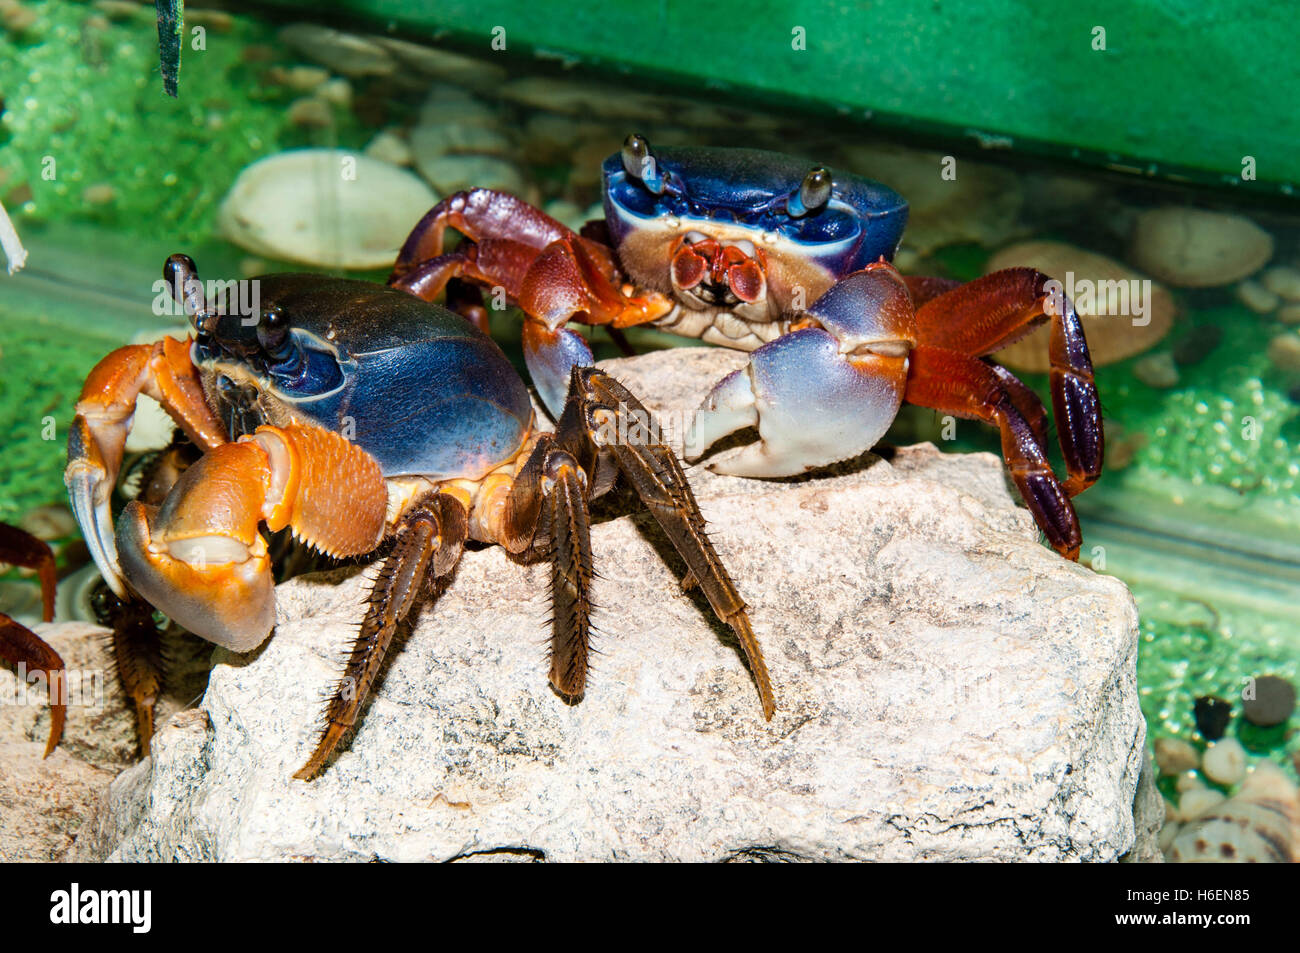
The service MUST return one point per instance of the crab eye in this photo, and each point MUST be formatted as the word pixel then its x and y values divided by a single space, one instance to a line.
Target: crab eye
pixel 273 336
pixel 640 164
pixel 814 192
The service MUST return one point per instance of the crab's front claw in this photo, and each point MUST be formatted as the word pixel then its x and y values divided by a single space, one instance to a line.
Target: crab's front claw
pixel 89 490
pixel 215 586
pixel 821 394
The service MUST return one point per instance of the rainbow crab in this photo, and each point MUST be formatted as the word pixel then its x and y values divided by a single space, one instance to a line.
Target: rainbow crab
pixel 359 416
pixel 756 251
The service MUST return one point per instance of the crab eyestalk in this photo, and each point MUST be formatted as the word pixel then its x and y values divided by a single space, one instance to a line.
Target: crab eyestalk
pixel 813 193
pixel 640 163
pixel 182 275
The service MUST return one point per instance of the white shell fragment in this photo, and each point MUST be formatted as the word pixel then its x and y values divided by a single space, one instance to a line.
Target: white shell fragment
pixel 1257 825
pixel 327 207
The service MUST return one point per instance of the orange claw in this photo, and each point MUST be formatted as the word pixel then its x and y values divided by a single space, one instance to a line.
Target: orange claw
pixel 200 557
pixel 161 370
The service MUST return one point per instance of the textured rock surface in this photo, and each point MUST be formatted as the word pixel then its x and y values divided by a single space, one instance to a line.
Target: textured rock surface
pixel 947 688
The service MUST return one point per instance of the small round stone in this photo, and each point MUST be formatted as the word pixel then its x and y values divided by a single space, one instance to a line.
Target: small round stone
pixel 311 113
pixel 1271 703
pixel 1289 314
pixel 1284 352
pixel 1256 297
pixel 1157 370
pixel 1188 781
pixel 1196 802
pixel 1225 762
pixel 1212 716
pixel 1283 281
pixel 1174 756
pixel 54 521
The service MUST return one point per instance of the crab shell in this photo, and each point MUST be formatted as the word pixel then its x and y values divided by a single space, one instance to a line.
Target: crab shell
pixel 411 383
pixel 739 196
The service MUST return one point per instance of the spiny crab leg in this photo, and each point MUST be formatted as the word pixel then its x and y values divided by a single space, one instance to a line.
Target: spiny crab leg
pixel 161 370
pixel 824 392
pixel 19 645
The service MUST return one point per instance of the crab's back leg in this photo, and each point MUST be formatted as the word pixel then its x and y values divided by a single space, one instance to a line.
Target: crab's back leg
pixel 161 370
pixel 430 538
pixel 19 645
pixel 20 548
pixel 987 314
pixel 955 383
pixel 605 411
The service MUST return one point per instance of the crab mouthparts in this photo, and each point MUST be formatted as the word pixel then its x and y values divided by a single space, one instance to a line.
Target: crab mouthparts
pixel 714 272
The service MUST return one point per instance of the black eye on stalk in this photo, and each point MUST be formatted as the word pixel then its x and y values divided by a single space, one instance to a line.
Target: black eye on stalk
pixel 639 162
pixel 814 192
pixel 273 336
pixel 180 272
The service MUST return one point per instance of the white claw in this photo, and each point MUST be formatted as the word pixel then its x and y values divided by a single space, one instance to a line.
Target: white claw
pixel 729 407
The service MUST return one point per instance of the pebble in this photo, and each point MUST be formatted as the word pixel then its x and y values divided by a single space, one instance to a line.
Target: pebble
pixel 451 173
pixel 1271 703
pixel 100 193
pixel 1197 344
pixel 1289 314
pixel 1167 835
pixel 53 521
pixel 1188 781
pixel 1174 756
pixel 1284 352
pixel 309 112
pixel 1283 281
pixel 301 79
pixel 389 146
pixel 448 67
pixel 1259 824
pixel 1194 248
pixel 1157 370
pixel 1196 802
pixel 1111 338
pixel 1212 716
pixel 342 52
pixel 337 91
pixel 1225 762
pixel 300 206
pixel 1256 297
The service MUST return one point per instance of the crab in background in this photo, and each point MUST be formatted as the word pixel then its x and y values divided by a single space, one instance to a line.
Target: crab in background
pixel 362 419
pixel 756 251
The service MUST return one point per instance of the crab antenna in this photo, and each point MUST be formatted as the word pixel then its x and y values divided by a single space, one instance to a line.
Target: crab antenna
pixel 640 163
pixel 183 275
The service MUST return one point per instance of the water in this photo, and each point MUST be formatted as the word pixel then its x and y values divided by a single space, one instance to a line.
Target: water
pixel 1198 507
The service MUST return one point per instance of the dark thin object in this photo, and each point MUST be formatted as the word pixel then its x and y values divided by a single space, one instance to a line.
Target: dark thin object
pixel 171 30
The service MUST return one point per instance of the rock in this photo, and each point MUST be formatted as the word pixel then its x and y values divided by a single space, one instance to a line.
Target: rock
pixel 1149 812
pixel 1212 716
pixel 1256 297
pixel 981 205
pixel 1197 801
pixel 919 638
pixel 1289 314
pixel 324 207
pixel 1260 824
pixel 50 522
pixel 1283 281
pixel 1225 762
pixel 1270 703
pixel 101 193
pixel 450 173
pixel 1111 332
pixel 301 79
pixel 342 52
pixel 388 146
pixel 1188 781
pixel 1193 248
pixel 337 92
pixel 1157 370
pixel 310 112
pixel 1284 352
pixel 46 801
pixel 1174 756
pixel 466 71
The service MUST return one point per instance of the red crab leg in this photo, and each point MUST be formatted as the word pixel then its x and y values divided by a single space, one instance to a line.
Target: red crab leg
pixel 989 313
pixel 552 273
pixel 23 549
pixel 955 383
pixel 19 645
